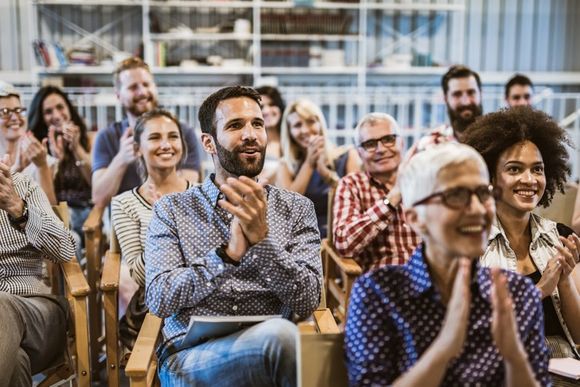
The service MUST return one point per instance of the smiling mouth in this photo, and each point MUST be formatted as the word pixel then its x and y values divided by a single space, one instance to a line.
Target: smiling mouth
pixel 526 193
pixel 474 229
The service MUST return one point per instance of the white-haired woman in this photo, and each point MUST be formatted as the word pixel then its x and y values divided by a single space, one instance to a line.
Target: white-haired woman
pixel 310 166
pixel 441 319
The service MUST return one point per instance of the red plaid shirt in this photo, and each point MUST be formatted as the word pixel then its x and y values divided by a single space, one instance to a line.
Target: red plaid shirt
pixel 365 228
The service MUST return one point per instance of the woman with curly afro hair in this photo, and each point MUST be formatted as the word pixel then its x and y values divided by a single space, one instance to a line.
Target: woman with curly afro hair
pixel 527 160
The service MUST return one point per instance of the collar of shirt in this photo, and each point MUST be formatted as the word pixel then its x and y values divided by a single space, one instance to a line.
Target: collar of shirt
pixel 376 183
pixel 213 193
pixel 421 279
pixel 539 228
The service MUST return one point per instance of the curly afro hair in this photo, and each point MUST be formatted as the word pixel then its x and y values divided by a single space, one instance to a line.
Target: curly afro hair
pixel 493 133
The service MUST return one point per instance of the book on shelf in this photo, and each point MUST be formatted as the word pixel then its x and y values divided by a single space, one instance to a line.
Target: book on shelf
pixel 203 328
pixel 48 54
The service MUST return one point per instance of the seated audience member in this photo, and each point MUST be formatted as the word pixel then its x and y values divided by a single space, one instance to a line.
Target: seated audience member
pixel 519 91
pixel 442 319
pixel 160 150
pixel 369 224
pixel 309 166
pixel 25 153
pixel 232 247
pixel 33 322
pixel 272 109
pixel 114 154
pixel 53 116
pixel 527 159
pixel 461 88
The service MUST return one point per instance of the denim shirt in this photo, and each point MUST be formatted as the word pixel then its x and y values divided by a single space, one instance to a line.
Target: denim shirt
pixel 542 248
pixel 184 276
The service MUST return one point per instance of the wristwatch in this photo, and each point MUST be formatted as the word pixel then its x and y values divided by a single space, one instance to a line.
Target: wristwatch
pixel 389 204
pixel 22 219
pixel 221 252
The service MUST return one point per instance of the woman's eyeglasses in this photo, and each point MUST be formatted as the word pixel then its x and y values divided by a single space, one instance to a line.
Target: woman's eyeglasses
pixel 459 197
pixel 7 112
pixel 371 145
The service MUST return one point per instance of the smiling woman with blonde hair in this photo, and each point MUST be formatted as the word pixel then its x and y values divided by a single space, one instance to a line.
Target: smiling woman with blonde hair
pixel 311 166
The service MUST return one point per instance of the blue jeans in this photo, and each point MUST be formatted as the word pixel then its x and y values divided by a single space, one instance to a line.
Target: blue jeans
pixel 261 355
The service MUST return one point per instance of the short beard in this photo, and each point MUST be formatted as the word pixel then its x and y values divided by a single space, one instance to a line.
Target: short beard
pixel 460 124
pixel 232 162
pixel 137 113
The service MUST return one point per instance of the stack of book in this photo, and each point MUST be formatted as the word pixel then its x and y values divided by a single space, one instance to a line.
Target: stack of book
pixel 49 55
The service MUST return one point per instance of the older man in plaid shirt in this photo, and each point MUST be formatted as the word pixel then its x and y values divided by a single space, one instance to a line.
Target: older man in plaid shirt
pixel 369 224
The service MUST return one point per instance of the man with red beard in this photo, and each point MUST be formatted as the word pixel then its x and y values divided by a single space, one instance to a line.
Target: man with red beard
pixel 114 153
pixel 369 224
pixel 232 247
pixel 462 94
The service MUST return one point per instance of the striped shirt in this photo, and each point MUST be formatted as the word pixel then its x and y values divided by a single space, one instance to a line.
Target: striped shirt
pixel 21 251
pixel 131 215
pixel 365 228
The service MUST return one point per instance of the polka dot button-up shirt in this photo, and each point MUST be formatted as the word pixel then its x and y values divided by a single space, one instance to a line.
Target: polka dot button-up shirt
pixel 395 314
pixel 281 274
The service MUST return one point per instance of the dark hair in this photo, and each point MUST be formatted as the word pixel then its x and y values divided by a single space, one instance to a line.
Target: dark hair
pixel 518 79
pixel 458 71
pixel 140 128
pixel 207 109
pixel 36 122
pixel 493 133
pixel 274 95
pixel 128 64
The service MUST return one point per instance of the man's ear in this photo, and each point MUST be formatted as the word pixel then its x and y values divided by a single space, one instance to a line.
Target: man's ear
pixel 207 141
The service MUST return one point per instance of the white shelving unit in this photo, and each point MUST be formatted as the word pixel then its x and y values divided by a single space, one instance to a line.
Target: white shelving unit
pixel 369 33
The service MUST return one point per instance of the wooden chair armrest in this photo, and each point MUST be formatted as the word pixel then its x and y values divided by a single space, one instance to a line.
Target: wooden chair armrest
pixel 75 279
pixel 94 220
pixel 111 272
pixel 346 265
pixel 144 350
pixel 325 322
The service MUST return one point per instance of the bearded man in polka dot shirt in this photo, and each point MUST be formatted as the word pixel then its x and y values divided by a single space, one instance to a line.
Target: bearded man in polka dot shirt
pixel 232 246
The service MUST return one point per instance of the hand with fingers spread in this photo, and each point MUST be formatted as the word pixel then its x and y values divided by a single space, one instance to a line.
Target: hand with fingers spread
pixel 246 201
pixel 36 151
pixel 9 199
pixel 550 277
pixel 503 322
pixel 569 255
pixel 452 336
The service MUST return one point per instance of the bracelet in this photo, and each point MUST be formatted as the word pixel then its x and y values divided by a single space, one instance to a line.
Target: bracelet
pixel 80 163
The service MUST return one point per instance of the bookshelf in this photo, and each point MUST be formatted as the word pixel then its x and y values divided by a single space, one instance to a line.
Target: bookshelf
pixel 354 40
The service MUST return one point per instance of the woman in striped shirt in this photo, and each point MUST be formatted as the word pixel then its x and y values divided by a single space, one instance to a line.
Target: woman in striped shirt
pixel 160 147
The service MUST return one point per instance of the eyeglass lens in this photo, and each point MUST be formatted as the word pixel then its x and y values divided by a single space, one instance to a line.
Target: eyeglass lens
pixel 371 145
pixel 7 112
pixel 460 197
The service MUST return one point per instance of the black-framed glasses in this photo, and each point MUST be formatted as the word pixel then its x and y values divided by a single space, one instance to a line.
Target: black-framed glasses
pixel 459 197
pixel 6 112
pixel 371 145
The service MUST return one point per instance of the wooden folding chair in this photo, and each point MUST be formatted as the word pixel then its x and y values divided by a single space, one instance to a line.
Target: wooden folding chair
pixel 339 272
pixel 95 248
pixel 69 277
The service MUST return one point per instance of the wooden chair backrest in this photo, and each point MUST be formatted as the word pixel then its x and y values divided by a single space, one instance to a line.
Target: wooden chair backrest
pixel 330 215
